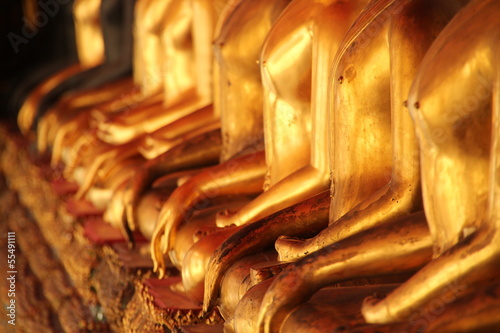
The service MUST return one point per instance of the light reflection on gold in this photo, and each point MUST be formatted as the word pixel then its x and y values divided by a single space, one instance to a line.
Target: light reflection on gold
pixel 375 163
pixel 90 44
pixel 90 48
pixel 459 166
pixel 213 135
pixel 241 114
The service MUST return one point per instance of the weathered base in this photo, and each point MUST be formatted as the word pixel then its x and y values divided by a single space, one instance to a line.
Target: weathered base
pixel 90 281
pixel 75 273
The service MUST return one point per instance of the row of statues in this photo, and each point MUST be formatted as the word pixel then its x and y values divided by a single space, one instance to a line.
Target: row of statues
pixel 330 140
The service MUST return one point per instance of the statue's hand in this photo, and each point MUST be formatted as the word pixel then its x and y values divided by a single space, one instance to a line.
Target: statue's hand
pixel 226 218
pixel 115 210
pixel 117 131
pixel 156 251
pixel 77 153
pixel 291 248
pixel 284 294
pixel 66 136
pixel 131 195
pixel 153 146
pixel 372 309
pixel 49 122
pixel 98 116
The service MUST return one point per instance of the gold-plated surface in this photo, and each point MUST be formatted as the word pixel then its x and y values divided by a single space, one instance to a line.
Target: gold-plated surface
pixel 148 50
pixel 170 45
pixel 375 163
pixel 241 119
pixel 398 247
pixel 27 113
pixel 202 150
pixel 149 120
pixel 456 115
pixel 308 217
pixel 223 145
pixel 88 32
pixel 61 125
pixel 90 48
pixel 200 190
pixel 237 50
pixel 179 38
pixel 371 126
pixel 305 37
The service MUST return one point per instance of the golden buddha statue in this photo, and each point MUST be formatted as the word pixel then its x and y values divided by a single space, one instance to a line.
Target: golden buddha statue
pixel 187 74
pixel 148 67
pixel 294 102
pixel 90 44
pixel 186 111
pixel 316 30
pixel 238 91
pixel 186 70
pixel 165 146
pixel 87 30
pixel 454 102
pixel 390 135
pixel 159 19
pixel 72 114
pixel 182 43
pixel 63 122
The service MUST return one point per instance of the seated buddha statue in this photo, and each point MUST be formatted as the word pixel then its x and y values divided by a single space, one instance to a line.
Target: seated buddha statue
pixel 186 38
pixel 74 135
pixel 54 43
pixel 295 112
pixel 145 90
pixel 372 219
pixel 187 83
pixel 294 102
pixel 187 75
pixel 454 102
pixel 116 19
pixel 104 157
pixel 182 44
pixel 87 30
pixel 65 121
pixel 172 148
pixel 241 173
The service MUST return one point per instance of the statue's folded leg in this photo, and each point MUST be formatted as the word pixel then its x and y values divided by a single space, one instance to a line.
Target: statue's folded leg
pixel 242 175
pixel 398 247
pixel 307 217
pixel 104 161
pixel 475 259
pixel 186 128
pixel 376 210
pixel 200 151
pixel 27 113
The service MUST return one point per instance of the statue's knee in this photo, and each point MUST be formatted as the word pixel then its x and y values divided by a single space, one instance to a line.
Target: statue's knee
pixel 147 212
pixel 237 282
pixel 194 266
pixel 185 238
pixel 249 307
